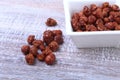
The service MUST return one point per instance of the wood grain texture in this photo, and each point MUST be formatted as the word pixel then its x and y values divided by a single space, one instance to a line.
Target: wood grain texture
pixel 19 18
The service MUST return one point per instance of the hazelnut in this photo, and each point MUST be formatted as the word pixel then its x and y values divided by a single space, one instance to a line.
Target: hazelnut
pixel 93 7
pixel 42 47
pixel 101 27
pixel 86 11
pixel 58 39
pixel 47 51
pixel 110 26
pixel 115 7
pixel 25 49
pixel 37 43
pixel 105 4
pixel 30 39
pixel 41 57
pixel 106 19
pixel 117 20
pixel 57 32
pixel 34 51
pixel 54 46
pixel 91 28
pixel 48 36
pixel 117 27
pixel 30 59
pixel 51 22
pixel 99 13
pixel 50 59
pixel 91 19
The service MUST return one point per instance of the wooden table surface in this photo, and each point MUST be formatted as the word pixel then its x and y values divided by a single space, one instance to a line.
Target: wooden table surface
pixel 20 18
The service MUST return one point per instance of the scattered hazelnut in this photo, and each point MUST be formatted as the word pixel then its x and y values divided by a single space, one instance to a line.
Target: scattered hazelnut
pixel 51 22
pixel 58 39
pixel 50 59
pixel 93 7
pixel 41 57
pixel 91 19
pixel 57 32
pixel 115 8
pixel 48 36
pixel 54 46
pixel 34 51
pixel 37 43
pixel 47 51
pixel 30 39
pixel 25 49
pixel 30 59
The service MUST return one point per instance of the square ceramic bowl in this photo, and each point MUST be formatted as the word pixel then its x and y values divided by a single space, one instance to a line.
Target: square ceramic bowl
pixel 89 39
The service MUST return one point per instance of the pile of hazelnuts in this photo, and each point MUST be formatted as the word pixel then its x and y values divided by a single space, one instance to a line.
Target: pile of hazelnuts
pixel 97 18
pixel 43 49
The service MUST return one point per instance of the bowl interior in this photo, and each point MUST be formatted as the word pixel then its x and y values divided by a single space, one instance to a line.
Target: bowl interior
pixel 72 6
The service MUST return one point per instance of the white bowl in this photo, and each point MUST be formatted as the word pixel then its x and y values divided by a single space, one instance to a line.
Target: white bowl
pixel 89 39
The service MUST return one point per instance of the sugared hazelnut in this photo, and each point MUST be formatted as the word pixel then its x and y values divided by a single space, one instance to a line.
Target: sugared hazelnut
pixel 91 19
pixel 41 57
pixel 42 47
pixel 25 49
pixel 34 51
pixel 54 46
pixel 48 36
pixel 58 39
pixel 93 7
pixel 37 43
pixel 105 4
pixel 30 59
pixel 50 59
pixel 57 32
pixel 47 51
pixel 51 22
pixel 30 39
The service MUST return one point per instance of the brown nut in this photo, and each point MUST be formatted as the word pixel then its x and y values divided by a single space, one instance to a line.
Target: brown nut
pixel 101 27
pixel 110 26
pixel 37 43
pixel 91 19
pixel 91 28
pixel 30 39
pixel 47 51
pixel 51 22
pixel 41 57
pixel 25 49
pixel 34 51
pixel 50 59
pixel 98 13
pixel 57 32
pixel 117 27
pixel 106 19
pixel 48 36
pixel 30 59
pixel 105 4
pixel 42 47
pixel 93 7
pixel 58 39
pixel 86 11
pixel 115 8
pixel 54 46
